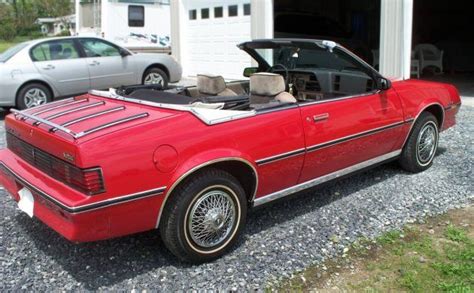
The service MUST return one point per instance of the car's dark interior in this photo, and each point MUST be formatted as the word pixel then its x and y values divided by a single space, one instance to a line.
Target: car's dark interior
pixel 288 73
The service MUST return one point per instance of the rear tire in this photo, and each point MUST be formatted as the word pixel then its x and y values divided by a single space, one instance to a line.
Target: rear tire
pixel 420 148
pixel 155 76
pixel 32 95
pixel 204 216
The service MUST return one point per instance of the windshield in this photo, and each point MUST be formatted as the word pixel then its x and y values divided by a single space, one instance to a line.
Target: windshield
pixel 296 57
pixel 5 56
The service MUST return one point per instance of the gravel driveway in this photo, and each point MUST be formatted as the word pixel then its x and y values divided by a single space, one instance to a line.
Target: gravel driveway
pixel 279 239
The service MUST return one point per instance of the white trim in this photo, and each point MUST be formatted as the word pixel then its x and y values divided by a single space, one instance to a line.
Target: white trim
pixel 208 116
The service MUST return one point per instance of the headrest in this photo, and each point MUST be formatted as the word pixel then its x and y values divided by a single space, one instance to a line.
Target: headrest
pixel 210 84
pixel 266 84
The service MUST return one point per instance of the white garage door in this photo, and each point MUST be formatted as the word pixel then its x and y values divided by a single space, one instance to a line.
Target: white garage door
pixel 212 30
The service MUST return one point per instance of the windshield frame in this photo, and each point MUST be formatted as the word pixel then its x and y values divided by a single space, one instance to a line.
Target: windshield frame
pixel 252 46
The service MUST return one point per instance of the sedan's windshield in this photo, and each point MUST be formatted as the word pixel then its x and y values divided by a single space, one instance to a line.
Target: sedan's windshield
pixel 5 56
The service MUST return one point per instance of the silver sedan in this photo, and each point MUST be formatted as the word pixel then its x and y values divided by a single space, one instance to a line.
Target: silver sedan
pixel 36 72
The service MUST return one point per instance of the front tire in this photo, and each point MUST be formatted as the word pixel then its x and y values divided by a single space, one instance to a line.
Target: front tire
pixel 32 95
pixel 204 216
pixel 156 76
pixel 420 148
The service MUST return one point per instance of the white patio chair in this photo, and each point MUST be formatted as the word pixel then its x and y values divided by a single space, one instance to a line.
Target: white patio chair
pixel 429 55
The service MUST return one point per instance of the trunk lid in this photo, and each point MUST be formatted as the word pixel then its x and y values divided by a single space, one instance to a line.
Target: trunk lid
pixel 59 127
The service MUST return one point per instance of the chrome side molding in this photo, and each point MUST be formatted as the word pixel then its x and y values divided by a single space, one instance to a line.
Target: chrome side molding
pixel 314 182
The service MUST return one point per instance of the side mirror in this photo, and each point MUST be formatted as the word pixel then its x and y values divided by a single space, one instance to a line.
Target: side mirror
pixel 124 53
pixel 249 71
pixel 383 83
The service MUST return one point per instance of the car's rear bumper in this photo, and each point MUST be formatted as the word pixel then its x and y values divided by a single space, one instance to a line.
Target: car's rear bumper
pixel 8 92
pixel 76 221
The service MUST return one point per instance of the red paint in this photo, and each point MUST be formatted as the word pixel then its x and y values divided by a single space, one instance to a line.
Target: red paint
pixel 156 151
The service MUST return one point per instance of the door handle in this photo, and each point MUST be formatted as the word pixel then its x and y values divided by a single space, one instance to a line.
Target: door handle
pixel 94 63
pixel 49 67
pixel 320 117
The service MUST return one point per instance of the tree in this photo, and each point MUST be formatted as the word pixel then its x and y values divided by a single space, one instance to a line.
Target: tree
pixel 8 27
pixel 53 8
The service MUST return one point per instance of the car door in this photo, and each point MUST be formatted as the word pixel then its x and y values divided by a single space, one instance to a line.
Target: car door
pixel 107 67
pixel 343 132
pixel 60 62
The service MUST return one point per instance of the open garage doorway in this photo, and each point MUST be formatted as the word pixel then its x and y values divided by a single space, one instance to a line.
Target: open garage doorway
pixel 445 27
pixel 353 23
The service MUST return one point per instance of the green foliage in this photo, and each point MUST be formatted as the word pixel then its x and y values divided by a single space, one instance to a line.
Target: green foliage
pixel 455 234
pixel 389 237
pixel 7 23
pixel 64 33
pixel 18 18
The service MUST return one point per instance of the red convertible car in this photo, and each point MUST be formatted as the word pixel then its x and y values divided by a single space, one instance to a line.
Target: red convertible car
pixel 191 161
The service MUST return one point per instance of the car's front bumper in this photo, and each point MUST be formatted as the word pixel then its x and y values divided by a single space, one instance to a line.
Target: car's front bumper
pixel 56 205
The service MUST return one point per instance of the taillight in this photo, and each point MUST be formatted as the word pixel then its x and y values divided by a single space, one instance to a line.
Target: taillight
pixel 89 181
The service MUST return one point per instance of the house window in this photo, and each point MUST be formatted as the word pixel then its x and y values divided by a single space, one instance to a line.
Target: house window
pixel 247 9
pixel 192 14
pixel 218 12
pixel 233 10
pixel 205 13
pixel 136 16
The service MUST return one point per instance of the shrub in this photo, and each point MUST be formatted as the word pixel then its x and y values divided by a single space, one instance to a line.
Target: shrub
pixel 64 33
pixel 7 30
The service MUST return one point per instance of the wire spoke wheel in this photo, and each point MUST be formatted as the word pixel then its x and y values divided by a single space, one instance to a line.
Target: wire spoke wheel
pixel 427 143
pixel 212 218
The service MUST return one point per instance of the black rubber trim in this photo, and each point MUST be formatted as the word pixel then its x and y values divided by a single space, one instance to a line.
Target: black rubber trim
pixel 280 157
pixel 84 208
pixel 355 136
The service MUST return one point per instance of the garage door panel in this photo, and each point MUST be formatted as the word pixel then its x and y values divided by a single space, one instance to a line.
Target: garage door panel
pixel 210 44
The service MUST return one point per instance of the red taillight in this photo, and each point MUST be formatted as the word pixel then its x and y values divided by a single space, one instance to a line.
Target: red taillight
pixel 89 181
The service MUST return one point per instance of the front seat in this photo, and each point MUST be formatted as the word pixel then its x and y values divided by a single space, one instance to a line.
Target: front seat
pixel 213 85
pixel 268 87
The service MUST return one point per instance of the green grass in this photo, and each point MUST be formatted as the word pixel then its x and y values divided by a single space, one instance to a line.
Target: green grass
pixel 433 257
pixel 4 45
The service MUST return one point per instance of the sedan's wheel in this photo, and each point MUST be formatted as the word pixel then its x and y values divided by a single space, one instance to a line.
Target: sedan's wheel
pixel 204 216
pixel 33 95
pixel 155 76
pixel 420 148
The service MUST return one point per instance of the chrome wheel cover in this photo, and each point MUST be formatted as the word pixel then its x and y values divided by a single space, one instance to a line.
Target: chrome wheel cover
pixel 212 218
pixel 35 97
pixel 153 78
pixel 427 143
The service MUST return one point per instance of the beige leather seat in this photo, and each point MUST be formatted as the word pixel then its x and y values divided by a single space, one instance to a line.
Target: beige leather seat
pixel 268 87
pixel 213 85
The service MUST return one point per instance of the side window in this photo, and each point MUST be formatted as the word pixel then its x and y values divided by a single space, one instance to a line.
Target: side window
pixel 247 9
pixel 99 48
pixel 233 10
pixel 54 50
pixel 205 13
pixel 192 14
pixel 136 16
pixel 218 12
